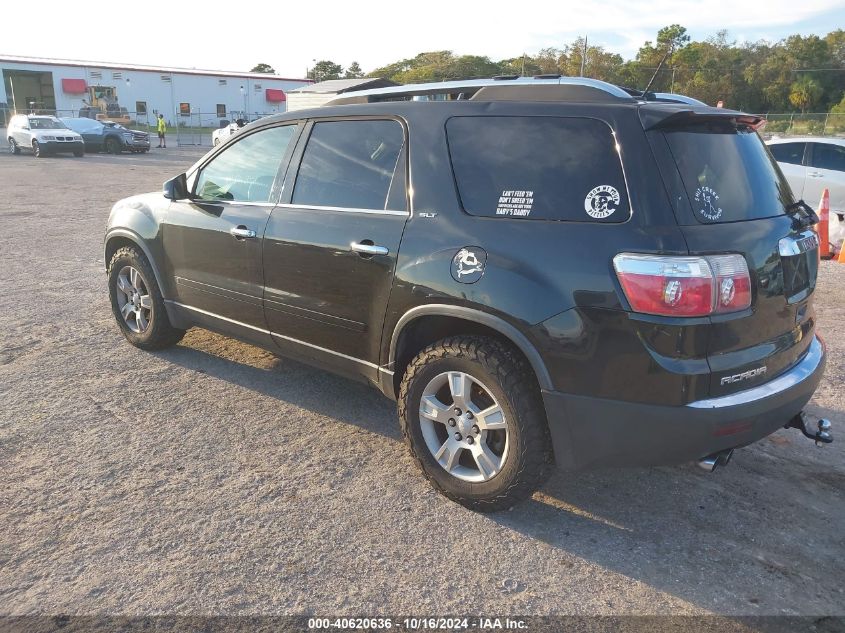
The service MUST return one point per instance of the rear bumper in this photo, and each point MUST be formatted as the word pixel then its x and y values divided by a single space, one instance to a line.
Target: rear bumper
pixel 590 432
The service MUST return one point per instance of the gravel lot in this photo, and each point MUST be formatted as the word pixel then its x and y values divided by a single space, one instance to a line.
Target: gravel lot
pixel 215 478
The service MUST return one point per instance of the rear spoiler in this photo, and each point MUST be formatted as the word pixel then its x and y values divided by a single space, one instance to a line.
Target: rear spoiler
pixel 656 116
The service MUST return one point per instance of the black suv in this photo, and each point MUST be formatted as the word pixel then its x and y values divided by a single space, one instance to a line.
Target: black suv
pixel 539 271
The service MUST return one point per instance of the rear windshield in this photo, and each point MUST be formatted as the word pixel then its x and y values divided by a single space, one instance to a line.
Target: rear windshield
pixel 727 172
pixel 538 168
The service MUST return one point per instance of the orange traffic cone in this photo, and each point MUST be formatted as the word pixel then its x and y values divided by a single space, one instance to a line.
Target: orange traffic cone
pixel 823 228
pixel 842 254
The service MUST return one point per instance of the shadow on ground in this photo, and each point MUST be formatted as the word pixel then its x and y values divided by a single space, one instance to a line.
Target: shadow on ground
pixel 664 527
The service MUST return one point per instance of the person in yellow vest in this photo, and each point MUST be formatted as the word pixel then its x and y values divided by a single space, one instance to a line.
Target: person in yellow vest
pixel 162 128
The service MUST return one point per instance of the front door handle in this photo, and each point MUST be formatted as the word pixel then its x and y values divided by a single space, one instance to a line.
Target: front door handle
pixel 241 232
pixel 816 174
pixel 365 248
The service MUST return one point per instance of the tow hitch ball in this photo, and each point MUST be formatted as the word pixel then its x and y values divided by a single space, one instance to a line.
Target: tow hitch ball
pixel 822 436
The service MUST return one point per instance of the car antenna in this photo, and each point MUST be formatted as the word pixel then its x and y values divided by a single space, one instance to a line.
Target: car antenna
pixel 657 70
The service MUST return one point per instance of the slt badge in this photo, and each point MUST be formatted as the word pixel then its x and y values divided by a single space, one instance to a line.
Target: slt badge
pixel 468 264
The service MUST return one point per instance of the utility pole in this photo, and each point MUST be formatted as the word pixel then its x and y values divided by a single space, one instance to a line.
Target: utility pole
pixel 522 74
pixel 584 56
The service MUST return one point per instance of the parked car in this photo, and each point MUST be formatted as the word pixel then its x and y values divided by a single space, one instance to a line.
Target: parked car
pixel 107 136
pixel 579 277
pixel 221 134
pixel 42 135
pixel 812 164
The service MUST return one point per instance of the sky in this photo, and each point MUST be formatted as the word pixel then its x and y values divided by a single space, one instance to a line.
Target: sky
pixel 291 35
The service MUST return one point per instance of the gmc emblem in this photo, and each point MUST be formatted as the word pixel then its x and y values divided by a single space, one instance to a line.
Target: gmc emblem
pixel 746 375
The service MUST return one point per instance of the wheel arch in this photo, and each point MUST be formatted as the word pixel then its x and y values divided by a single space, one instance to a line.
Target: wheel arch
pixel 424 325
pixel 118 238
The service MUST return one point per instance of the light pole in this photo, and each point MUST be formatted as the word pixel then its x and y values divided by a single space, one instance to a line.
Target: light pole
pixel 243 95
pixel 128 87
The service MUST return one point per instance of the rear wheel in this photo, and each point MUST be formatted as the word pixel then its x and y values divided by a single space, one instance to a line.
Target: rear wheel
pixel 137 303
pixel 471 412
pixel 36 149
pixel 13 147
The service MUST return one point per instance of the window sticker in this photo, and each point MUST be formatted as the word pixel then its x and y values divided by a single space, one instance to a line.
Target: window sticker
pixel 515 203
pixel 707 203
pixel 601 202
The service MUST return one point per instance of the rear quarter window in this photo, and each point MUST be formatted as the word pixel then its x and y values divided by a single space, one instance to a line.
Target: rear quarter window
pixel 538 168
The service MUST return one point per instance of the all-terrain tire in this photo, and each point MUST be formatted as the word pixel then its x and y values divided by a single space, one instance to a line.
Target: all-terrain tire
pixel 159 333
pixel 511 382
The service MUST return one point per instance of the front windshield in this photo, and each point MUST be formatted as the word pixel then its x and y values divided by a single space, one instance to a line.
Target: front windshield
pixel 46 124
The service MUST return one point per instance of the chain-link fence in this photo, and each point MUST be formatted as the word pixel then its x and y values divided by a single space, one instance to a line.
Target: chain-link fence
pixel 807 124
pixel 196 128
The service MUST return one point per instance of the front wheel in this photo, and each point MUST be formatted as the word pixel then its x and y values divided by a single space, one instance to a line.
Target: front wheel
pixel 137 303
pixel 112 146
pixel 471 413
pixel 36 149
pixel 79 153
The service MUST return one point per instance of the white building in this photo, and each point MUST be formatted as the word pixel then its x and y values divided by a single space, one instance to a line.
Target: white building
pixel 202 97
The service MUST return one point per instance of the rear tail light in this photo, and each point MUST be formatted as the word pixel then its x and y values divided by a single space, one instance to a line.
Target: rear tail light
pixel 684 286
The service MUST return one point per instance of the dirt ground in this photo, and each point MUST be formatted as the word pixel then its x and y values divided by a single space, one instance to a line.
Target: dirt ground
pixel 215 478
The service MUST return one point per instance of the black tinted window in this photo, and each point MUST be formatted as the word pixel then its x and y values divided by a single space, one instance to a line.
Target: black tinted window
pixel 788 152
pixel 349 164
pixel 829 156
pixel 538 168
pixel 727 173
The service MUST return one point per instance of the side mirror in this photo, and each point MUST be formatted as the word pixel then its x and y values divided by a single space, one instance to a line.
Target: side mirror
pixel 176 188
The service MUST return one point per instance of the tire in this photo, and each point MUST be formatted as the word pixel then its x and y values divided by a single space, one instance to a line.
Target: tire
pixel 13 147
pixel 502 382
pixel 152 330
pixel 79 153
pixel 216 142
pixel 112 146
pixel 36 150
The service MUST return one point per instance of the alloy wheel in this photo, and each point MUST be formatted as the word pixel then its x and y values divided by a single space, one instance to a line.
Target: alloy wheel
pixel 464 427
pixel 133 299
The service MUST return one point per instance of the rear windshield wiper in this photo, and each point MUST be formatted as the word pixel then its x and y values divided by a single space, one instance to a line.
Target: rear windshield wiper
pixel 802 215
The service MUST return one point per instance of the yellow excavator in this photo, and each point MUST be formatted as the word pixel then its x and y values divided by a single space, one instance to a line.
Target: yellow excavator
pixel 102 105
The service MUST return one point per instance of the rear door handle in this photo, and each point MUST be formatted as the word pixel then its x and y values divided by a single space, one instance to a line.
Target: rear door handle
pixel 816 174
pixel 241 232
pixel 368 249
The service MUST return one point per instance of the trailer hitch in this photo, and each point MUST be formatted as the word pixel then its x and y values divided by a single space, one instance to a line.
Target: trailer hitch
pixel 821 436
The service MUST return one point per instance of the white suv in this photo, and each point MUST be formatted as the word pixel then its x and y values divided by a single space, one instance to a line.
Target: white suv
pixel 42 135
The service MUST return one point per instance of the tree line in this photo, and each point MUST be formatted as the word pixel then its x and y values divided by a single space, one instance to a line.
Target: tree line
pixel 796 74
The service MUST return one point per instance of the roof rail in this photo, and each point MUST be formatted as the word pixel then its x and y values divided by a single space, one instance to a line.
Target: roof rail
pixel 465 89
